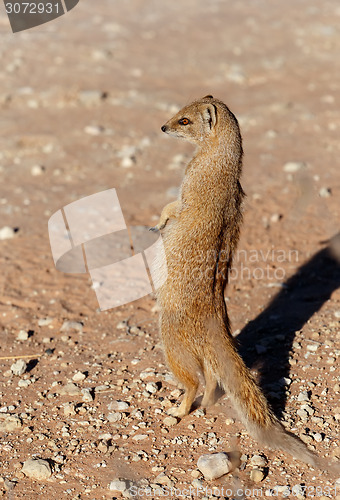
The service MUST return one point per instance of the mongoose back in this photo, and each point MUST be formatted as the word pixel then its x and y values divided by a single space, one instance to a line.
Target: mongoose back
pixel 201 231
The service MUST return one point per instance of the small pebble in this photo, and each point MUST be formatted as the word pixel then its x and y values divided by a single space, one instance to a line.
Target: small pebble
pixel 170 421
pixel 19 367
pixel 9 485
pixel 69 409
pixel 140 437
pixel 72 325
pixel 258 461
pixel 229 421
pixel 91 97
pixel 303 396
pixel 6 233
pixel 195 474
pixel 317 437
pixel 45 321
pixel 9 423
pixel 114 417
pixel 151 387
pixel 302 414
pixel 325 192
pixel 24 383
pixel 197 483
pixel 127 162
pixel 37 170
pixel 256 475
pixel 294 166
pixel 78 377
pixel 121 485
pixel 87 396
pixel 118 405
pixel 275 218
pixel 93 129
pixel 22 335
pixel 122 325
pixel 70 389
pixel 101 388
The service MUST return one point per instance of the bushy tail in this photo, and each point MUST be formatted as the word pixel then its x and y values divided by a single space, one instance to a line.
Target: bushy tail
pixel 250 402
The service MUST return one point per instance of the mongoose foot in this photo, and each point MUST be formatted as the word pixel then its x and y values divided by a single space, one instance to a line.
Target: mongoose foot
pixel 176 411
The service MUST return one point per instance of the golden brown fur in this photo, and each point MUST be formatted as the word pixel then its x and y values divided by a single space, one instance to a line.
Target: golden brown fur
pixel 201 232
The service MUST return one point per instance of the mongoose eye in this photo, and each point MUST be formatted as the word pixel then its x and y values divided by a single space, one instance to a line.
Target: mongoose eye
pixel 184 121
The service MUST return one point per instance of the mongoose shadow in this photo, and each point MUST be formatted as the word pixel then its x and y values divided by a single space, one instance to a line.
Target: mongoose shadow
pixel 274 329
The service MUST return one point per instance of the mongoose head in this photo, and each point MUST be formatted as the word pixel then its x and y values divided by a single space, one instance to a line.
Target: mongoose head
pixel 204 120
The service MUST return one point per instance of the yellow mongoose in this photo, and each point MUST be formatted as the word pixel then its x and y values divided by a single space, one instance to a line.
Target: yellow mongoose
pixel 201 231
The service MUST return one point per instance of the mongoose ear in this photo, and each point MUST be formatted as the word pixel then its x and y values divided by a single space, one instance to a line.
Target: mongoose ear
pixel 210 114
pixel 208 97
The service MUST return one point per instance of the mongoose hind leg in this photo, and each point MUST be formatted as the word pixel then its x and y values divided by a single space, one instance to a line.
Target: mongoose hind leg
pixel 209 397
pixel 168 212
pixel 189 379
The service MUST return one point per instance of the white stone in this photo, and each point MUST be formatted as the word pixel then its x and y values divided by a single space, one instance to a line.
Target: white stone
pixel 37 170
pixel 140 437
pixel 19 367
pixel 22 335
pixel 214 466
pixel 37 469
pixel 114 417
pixel 170 421
pixel 121 485
pixel 303 396
pixel 6 233
pixel 78 377
pixel 258 461
pixel 87 396
pixel 151 387
pixel 294 166
pixel 127 162
pixel 256 475
pixel 118 405
pixel 70 389
pixel 9 423
pixel 94 129
pixel 325 192
pixel 72 325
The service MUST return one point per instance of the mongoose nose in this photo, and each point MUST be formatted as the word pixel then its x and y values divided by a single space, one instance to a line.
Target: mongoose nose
pixel 163 129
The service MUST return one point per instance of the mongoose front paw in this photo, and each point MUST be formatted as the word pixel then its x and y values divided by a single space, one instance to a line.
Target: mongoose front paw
pixel 159 226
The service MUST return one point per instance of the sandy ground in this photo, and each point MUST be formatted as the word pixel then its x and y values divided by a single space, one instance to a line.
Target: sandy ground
pixel 82 100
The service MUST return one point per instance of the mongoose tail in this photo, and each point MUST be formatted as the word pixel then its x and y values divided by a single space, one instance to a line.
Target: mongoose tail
pixel 248 399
